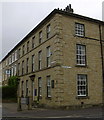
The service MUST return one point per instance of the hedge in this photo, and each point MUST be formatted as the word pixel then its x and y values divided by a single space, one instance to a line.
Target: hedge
pixel 9 92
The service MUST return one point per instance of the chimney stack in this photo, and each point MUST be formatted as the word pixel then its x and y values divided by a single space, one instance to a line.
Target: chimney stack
pixel 69 9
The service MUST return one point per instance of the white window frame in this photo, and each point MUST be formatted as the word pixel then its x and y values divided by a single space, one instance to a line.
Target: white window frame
pixel 23 49
pixel 18 69
pixel 40 37
pixel 40 60
pixel 15 69
pixel 27 88
pixel 22 89
pixel 19 52
pixel 82 89
pixel 39 87
pixel 81 54
pixel 15 55
pixel 48 56
pixel 48 31
pixel 28 46
pixel 23 67
pixel 79 29
pixel 10 59
pixel 48 86
pixel 27 65
pixel 33 63
pixel 33 42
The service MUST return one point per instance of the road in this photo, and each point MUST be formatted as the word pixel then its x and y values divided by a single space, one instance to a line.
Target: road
pixel 52 119
pixel 10 113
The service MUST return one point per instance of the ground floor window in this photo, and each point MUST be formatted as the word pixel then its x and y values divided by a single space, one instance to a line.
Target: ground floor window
pixel 82 85
pixel 39 87
pixel 48 86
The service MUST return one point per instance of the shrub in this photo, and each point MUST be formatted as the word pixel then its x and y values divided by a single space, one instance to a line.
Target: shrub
pixel 9 92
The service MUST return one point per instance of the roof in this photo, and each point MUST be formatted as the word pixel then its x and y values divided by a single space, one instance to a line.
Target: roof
pixel 55 11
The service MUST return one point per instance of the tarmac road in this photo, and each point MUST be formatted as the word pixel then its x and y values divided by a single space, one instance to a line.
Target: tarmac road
pixel 52 119
pixel 10 113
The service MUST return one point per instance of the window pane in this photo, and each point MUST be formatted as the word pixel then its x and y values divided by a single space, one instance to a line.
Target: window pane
pixel 80 54
pixel 79 29
pixel 82 85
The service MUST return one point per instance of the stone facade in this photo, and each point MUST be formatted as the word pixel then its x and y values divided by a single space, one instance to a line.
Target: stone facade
pixel 0 74
pixel 47 62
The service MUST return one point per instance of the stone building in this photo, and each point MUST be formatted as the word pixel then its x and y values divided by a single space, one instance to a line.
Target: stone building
pixel 0 74
pixel 60 62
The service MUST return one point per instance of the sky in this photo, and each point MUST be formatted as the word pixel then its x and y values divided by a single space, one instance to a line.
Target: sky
pixel 18 18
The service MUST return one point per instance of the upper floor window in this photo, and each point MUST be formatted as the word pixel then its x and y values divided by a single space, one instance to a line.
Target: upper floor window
pixel 22 67
pixel 81 54
pixel 33 63
pixel 27 65
pixel 23 49
pixel 48 56
pixel 40 60
pixel 40 37
pixel 82 85
pixel 10 59
pixel 79 29
pixel 19 52
pixel 18 68
pixel 15 55
pixel 28 46
pixel 6 61
pixel 33 42
pixel 48 31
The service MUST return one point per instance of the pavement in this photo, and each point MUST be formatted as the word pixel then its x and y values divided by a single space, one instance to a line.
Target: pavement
pixel 9 110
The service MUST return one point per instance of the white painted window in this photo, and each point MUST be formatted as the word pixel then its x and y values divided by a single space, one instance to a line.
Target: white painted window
pixel 22 88
pixel 82 85
pixel 15 69
pixel 33 42
pixel 79 29
pixel 28 46
pixel 81 54
pixel 40 37
pixel 39 87
pixel 22 67
pixel 27 65
pixel 40 60
pixel 48 31
pixel 48 56
pixel 33 63
pixel 23 49
pixel 48 86
pixel 10 59
pixel 15 55
pixel 26 88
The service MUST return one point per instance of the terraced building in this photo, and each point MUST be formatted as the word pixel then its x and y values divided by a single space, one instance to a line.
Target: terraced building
pixel 60 62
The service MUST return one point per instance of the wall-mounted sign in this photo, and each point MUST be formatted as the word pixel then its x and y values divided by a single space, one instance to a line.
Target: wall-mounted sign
pixel 23 100
pixel 66 67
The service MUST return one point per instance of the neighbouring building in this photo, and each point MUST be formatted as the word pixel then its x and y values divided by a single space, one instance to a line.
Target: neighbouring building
pixel 60 62
pixel 103 10
pixel 0 73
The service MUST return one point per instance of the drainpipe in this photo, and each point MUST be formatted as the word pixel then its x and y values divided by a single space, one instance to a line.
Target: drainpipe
pixel 102 58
